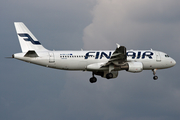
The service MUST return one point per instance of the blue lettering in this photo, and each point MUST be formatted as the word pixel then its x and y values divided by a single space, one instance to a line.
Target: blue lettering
pixel 104 54
pixel 97 55
pixel 139 55
pixel 87 55
pixel 148 54
pixel 130 53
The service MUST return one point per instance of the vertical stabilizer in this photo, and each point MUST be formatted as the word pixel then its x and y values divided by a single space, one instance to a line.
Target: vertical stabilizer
pixel 26 39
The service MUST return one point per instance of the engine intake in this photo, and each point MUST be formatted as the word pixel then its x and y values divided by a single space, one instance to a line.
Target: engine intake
pixel 135 67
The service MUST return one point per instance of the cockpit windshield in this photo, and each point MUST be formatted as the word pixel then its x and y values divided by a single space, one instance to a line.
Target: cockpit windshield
pixel 166 55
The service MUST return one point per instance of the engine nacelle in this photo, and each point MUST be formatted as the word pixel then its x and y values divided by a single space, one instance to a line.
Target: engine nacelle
pixel 104 73
pixel 135 67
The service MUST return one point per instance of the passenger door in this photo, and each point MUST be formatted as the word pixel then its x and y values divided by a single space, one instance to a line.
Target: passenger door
pixel 158 57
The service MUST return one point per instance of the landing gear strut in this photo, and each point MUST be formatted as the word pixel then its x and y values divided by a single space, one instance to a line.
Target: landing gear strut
pixel 93 79
pixel 154 73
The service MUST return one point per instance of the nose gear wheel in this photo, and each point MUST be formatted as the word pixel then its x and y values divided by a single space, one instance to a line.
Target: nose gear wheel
pixel 154 73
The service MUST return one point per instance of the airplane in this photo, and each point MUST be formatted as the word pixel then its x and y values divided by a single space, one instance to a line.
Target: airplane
pixel 104 63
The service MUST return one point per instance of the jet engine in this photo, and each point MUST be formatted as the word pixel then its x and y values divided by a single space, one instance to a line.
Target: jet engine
pixel 135 67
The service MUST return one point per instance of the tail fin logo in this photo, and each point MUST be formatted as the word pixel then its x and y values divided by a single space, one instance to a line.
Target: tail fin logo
pixel 27 37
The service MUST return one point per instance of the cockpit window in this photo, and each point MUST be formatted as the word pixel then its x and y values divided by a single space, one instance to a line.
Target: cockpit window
pixel 166 55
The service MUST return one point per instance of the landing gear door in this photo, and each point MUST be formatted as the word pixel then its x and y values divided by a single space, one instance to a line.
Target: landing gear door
pixel 158 57
pixel 51 57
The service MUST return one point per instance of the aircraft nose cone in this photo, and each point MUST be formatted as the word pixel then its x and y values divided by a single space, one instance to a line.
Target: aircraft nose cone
pixel 173 62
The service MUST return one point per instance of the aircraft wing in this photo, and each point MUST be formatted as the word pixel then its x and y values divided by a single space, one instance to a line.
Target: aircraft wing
pixel 118 57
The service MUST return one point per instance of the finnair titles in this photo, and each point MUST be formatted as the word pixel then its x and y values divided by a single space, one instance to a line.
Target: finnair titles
pixel 101 63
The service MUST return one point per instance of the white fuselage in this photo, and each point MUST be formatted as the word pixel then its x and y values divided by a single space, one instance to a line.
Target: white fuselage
pixel 79 60
pixel 102 63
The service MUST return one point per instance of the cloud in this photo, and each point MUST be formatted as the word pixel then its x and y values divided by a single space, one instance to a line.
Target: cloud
pixel 34 92
pixel 140 24
pixel 132 23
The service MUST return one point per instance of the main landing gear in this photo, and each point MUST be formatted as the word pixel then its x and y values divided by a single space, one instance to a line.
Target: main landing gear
pixel 93 79
pixel 109 75
pixel 154 73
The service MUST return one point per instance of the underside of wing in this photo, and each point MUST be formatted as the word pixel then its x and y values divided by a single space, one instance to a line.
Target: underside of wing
pixel 118 57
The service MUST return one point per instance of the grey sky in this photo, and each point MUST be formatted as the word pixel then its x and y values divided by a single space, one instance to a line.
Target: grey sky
pixel 33 92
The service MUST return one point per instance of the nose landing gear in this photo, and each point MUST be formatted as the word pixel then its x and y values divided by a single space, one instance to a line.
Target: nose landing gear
pixel 154 73
pixel 155 77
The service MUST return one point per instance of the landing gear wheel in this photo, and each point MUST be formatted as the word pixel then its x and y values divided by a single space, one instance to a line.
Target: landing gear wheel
pixel 109 75
pixel 155 77
pixel 154 73
pixel 93 80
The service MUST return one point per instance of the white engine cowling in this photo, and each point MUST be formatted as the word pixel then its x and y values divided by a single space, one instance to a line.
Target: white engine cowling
pixel 135 67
